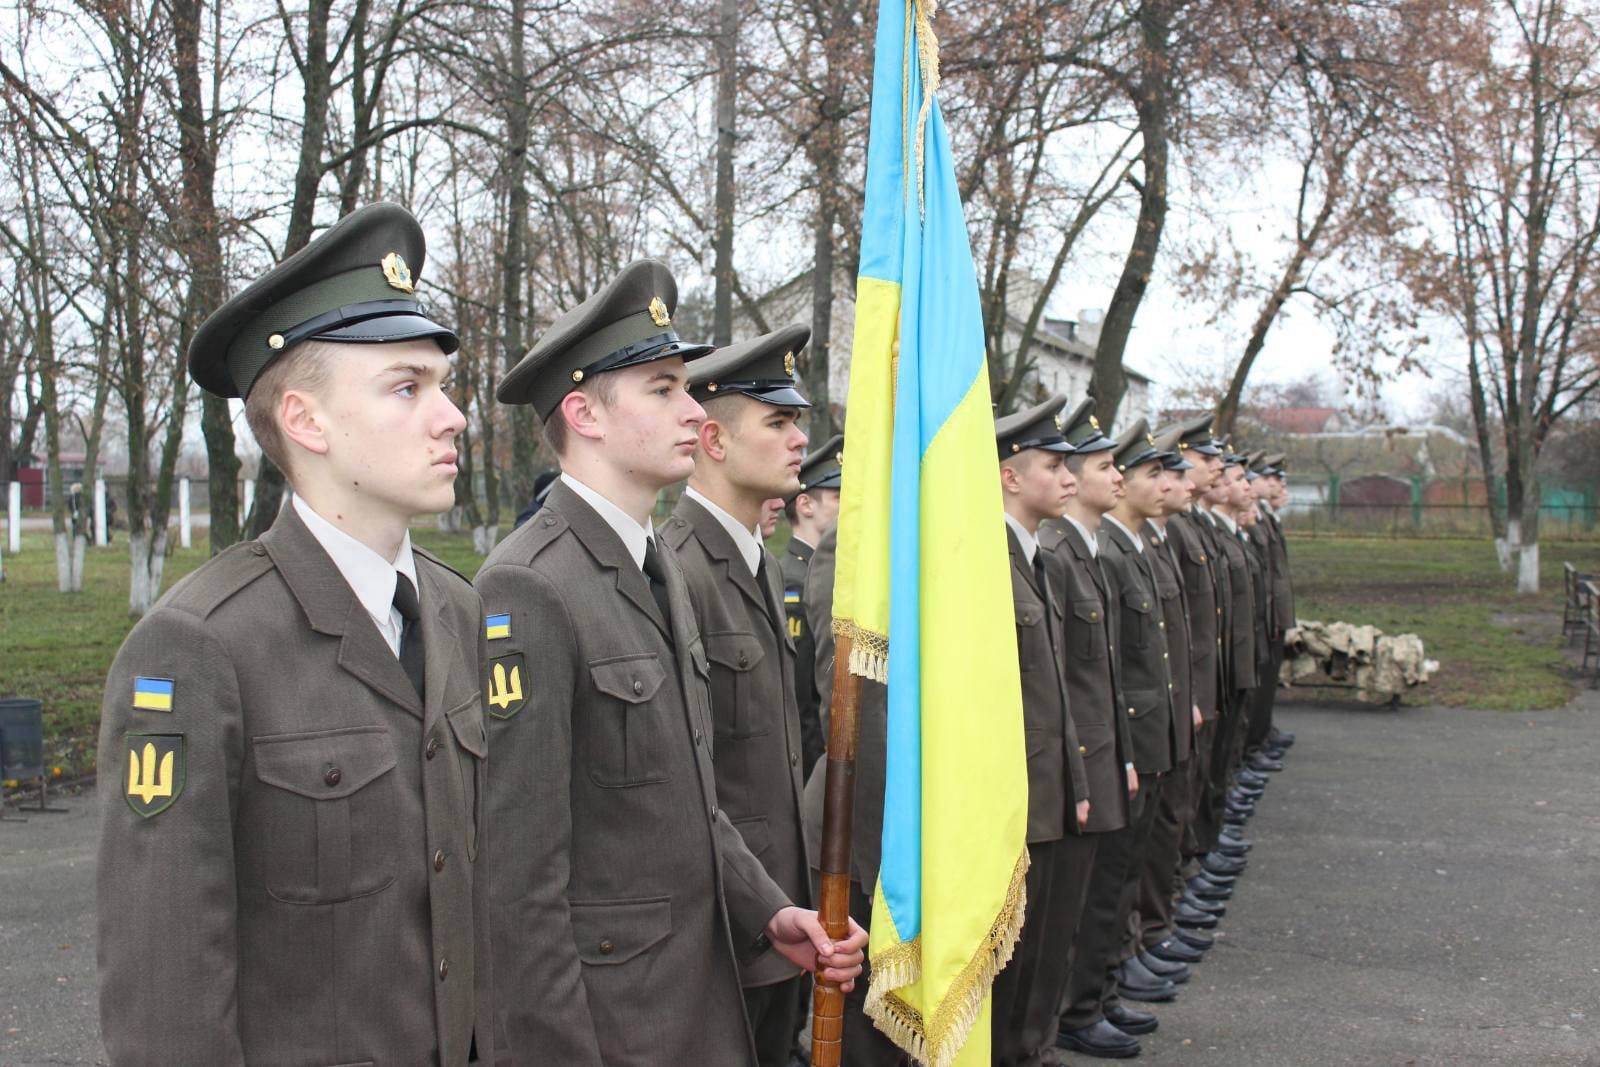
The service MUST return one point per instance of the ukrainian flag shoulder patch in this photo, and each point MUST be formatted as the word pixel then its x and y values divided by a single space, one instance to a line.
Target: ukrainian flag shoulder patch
pixel 497 626
pixel 152 694
pixel 791 596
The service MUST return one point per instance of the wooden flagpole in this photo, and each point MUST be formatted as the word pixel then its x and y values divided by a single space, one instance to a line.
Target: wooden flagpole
pixel 827 1002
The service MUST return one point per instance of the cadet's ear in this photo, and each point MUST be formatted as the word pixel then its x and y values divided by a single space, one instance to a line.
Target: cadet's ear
pixel 579 410
pixel 1010 479
pixel 301 418
pixel 714 439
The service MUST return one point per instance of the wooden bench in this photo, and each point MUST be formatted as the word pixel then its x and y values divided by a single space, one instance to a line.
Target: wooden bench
pixel 1591 631
pixel 1577 598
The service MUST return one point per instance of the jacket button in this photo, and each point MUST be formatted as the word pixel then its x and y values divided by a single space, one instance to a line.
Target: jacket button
pixel 607 948
pixel 332 775
pixel 1130 711
pixel 549 520
pixel 698 737
pixel 432 748
pixel 438 860
pixel 638 687
pixel 713 811
pixel 794 761
pixel 744 658
pixel 1162 625
pixel 444 969
pixel 1083 750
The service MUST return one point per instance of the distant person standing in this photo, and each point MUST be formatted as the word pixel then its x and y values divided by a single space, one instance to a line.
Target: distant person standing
pixel 813 512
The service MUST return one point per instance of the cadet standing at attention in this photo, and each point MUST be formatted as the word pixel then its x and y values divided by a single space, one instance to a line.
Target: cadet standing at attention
pixel 1073 568
pixel 1034 486
pixel 812 512
pixel 292 741
pixel 1147 699
pixel 624 898
pixel 751 449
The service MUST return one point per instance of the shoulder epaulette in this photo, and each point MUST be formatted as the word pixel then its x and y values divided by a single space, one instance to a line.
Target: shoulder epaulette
pixel 217 580
pixel 676 531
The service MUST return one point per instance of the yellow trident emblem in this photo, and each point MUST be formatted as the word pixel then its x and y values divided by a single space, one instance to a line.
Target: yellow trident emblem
pixel 505 690
pixel 155 772
pixel 145 781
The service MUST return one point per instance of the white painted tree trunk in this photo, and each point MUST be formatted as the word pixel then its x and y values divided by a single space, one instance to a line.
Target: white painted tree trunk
pixel 14 517
pixel 1528 569
pixel 1513 544
pixel 80 548
pixel 64 564
pixel 185 536
pixel 1502 553
pixel 149 556
pixel 484 538
pixel 102 536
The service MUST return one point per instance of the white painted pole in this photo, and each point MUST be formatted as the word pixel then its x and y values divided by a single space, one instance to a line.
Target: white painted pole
pixel 249 499
pixel 100 532
pixel 185 538
pixel 14 518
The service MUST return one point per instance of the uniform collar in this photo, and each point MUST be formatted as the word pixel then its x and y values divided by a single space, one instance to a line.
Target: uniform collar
pixel 1028 541
pixel 632 535
pixel 1138 544
pixel 369 575
pixel 1088 537
pixel 1226 520
pixel 747 541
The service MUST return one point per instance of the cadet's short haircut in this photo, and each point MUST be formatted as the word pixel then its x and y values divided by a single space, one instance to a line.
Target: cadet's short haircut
pixel 791 510
pixel 305 368
pixel 1075 462
pixel 602 389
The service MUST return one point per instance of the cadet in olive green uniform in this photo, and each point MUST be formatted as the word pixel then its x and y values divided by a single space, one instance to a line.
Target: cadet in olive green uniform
pixel 1035 485
pixel 1238 616
pixel 624 897
pixel 1268 534
pixel 812 513
pixel 751 448
pixel 292 747
pixel 1093 694
pixel 1147 693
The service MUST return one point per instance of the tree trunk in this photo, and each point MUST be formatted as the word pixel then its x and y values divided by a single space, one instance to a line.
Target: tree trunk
pixel 514 267
pixel 1152 103
pixel 727 48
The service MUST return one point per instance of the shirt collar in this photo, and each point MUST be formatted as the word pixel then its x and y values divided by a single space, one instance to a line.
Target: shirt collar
pixel 1028 541
pixel 633 535
pixel 1154 531
pixel 748 542
pixel 1138 544
pixel 370 576
pixel 1088 538
pixel 1226 520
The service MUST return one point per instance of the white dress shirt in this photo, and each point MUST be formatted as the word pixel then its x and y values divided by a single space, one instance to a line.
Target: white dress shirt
pixel 748 542
pixel 1089 538
pixel 1227 520
pixel 633 535
pixel 370 576
pixel 1138 544
pixel 1028 541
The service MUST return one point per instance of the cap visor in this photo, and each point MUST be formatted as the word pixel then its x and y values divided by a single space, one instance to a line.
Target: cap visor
pixel 384 329
pixel 782 398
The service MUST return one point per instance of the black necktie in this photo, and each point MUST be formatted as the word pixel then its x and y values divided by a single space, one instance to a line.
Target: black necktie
pixel 1038 572
pixel 658 579
pixel 405 601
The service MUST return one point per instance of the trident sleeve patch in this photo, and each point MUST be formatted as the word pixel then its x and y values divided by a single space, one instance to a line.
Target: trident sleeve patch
pixel 506 686
pixel 156 772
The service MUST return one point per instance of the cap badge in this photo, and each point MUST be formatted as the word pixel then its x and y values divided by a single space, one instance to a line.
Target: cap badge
pixel 788 364
pixel 1058 424
pixel 397 273
pixel 1094 422
pixel 658 312
pixel 1150 439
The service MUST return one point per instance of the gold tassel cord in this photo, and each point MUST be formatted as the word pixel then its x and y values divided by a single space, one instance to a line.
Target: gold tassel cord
pixel 928 59
pixel 869 651
pixel 936 1041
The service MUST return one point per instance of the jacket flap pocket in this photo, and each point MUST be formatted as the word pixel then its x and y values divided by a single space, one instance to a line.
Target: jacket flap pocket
pixel 1136 600
pixel 325 765
pixel 757 834
pixel 466 722
pixel 1086 610
pixel 1094 737
pixel 631 679
pixel 737 652
pixel 1029 614
pixel 612 932
pixel 1141 702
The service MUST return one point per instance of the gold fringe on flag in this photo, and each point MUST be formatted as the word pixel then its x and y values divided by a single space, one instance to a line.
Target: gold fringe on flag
pixel 869 652
pixel 935 1042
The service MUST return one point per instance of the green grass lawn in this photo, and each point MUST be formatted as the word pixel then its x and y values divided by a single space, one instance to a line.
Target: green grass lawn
pixel 1497 650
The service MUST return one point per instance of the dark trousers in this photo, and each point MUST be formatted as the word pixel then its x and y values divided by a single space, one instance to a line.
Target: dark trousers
pixel 1200 835
pixel 1144 814
pixel 1100 931
pixel 1224 750
pixel 1162 855
pixel 1263 697
pixel 774 1013
pixel 1027 993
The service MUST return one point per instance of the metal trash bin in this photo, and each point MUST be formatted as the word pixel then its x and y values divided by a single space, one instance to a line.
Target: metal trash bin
pixel 21 738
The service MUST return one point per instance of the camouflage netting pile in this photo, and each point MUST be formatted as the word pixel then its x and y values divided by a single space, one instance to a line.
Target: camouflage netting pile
pixel 1380 666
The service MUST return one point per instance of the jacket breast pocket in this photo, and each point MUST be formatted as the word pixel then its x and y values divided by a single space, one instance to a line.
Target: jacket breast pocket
pixel 466 723
pixel 1137 618
pixel 734 708
pixel 1030 637
pixel 626 734
pixel 329 829
pixel 1086 637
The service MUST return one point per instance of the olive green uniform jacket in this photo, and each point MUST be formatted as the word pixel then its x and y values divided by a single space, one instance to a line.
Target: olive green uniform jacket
pixel 312 887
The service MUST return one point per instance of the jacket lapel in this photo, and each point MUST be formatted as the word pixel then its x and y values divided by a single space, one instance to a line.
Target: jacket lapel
pixel 607 549
pixel 331 608
pixel 440 642
pixel 720 547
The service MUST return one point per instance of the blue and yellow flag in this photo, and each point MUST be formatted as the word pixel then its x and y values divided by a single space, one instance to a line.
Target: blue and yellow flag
pixel 923 585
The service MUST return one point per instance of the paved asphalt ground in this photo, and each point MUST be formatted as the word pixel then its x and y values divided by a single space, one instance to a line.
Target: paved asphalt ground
pixel 1425 889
